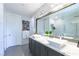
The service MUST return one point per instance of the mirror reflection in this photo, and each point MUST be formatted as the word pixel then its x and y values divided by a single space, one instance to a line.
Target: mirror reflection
pixel 63 23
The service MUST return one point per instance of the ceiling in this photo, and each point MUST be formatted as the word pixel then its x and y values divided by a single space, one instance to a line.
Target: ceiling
pixel 30 9
pixel 50 7
pixel 26 9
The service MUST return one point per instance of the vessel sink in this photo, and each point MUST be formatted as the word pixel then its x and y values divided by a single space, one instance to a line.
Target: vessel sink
pixel 57 43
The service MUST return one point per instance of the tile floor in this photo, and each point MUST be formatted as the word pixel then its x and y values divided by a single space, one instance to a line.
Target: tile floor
pixel 19 50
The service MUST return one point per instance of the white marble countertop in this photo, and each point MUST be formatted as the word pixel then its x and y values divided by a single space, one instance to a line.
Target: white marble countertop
pixel 63 46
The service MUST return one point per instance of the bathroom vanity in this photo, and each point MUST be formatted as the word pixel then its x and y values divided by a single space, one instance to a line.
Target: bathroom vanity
pixel 61 24
pixel 38 49
pixel 46 46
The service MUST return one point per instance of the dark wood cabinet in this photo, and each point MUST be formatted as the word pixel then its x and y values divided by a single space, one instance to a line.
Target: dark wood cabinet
pixel 32 46
pixel 43 50
pixel 38 49
pixel 52 52
pixel 30 43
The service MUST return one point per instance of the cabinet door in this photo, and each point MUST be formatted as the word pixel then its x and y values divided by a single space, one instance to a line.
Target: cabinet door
pixel 52 52
pixel 33 47
pixel 30 44
pixel 38 49
pixel 13 30
pixel 43 50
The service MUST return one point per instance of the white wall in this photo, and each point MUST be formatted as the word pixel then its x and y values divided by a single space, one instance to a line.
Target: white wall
pixel 32 26
pixel 14 34
pixel 12 29
pixel 1 30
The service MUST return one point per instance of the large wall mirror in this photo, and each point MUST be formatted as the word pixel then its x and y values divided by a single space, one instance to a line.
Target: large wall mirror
pixel 62 23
